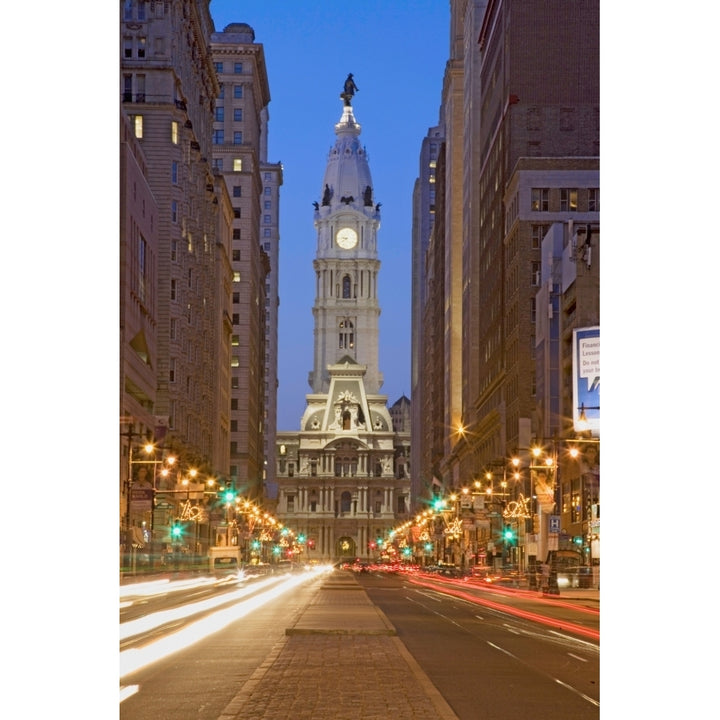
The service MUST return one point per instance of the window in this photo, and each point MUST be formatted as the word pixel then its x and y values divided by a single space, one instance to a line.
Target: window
pixel 237 213
pixel 593 199
pixel 538 233
pixel 142 267
pixel 237 165
pixel 235 362
pixel 127 88
pixel 173 289
pixel 266 219
pixel 172 370
pixel 236 234
pixel 346 286
pixel 291 503
pixel 218 67
pixel 237 138
pixel 127 11
pixel 141 9
pixel 235 382
pixel 221 94
pixel 238 68
pixel 174 172
pixel 267 204
pixel 346 335
pixel 539 199
pixel 237 190
pixel 127 47
pixel 236 256
pixel 266 248
pixel 568 199
pixel 173 328
pixel 235 340
pixel 236 276
pixel 220 113
pixel 173 246
pixel 174 132
pixel 237 114
pixel 267 191
pixel 138 123
pixel 237 91
pixel 218 137
pixel 217 164
pixel 141 47
pixel 267 232
pixel 236 298
pixel 536 274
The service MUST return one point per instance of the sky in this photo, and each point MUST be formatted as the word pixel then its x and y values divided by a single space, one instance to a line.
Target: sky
pixel 397 53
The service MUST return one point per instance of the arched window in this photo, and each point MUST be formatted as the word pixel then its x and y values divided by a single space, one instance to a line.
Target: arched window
pixel 346 420
pixel 346 287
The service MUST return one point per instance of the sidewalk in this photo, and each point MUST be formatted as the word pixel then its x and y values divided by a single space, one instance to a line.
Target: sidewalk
pixel 341 660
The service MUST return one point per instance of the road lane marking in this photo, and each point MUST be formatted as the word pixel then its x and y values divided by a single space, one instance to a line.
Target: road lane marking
pixel 592 701
pixel 502 650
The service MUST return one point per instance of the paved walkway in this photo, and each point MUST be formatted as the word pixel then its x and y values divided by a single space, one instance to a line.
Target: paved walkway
pixel 341 660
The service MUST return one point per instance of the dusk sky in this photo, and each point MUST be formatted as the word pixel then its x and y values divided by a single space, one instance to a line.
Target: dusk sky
pixel 397 53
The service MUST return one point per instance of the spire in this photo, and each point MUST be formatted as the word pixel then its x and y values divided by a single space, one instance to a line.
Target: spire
pixel 347 182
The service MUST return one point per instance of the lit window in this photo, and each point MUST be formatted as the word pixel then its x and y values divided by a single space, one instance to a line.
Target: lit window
pixel 138 126
pixel 235 340
pixel 539 199
pixel 237 165
pixel 568 199
pixel 235 362
pixel 236 277
pixel 174 132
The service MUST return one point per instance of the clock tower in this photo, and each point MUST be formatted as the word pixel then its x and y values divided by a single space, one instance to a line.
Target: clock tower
pixel 346 264
pixel 343 479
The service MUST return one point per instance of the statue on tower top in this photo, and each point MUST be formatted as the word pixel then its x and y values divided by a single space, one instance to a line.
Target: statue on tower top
pixel 350 89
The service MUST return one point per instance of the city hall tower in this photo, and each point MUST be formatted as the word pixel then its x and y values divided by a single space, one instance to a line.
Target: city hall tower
pixel 343 479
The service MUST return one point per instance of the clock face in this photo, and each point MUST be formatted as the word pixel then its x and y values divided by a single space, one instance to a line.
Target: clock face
pixel 346 238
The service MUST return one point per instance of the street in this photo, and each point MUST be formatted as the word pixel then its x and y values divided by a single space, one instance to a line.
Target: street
pixel 189 647
pixel 503 658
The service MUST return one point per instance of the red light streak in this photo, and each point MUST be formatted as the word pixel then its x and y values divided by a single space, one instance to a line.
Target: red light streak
pixel 535 617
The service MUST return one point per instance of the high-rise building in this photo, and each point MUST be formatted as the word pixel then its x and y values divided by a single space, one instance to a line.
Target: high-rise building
pixel 239 155
pixel 342 479
pixel 520 122
pixel 175 239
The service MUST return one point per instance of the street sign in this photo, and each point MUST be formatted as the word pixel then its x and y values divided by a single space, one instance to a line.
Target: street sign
pixel 162 505
pixel 554 524
pixel 141 498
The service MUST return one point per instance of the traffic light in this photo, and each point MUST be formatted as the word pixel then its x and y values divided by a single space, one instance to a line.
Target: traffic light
pixel 301 538
pixel 508 534
pixel 311 544
pixel 177 530
pixel 228 496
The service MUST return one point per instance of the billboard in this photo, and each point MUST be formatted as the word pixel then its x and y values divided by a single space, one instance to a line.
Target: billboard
pixel 586 380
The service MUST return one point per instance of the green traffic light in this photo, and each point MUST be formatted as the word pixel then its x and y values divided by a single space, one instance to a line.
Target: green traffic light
pixel 177 531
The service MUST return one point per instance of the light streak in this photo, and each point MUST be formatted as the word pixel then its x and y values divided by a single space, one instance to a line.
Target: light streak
pixel 135 659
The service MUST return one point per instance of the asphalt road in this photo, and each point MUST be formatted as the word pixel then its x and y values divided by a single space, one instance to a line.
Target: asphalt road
pixel 498 659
